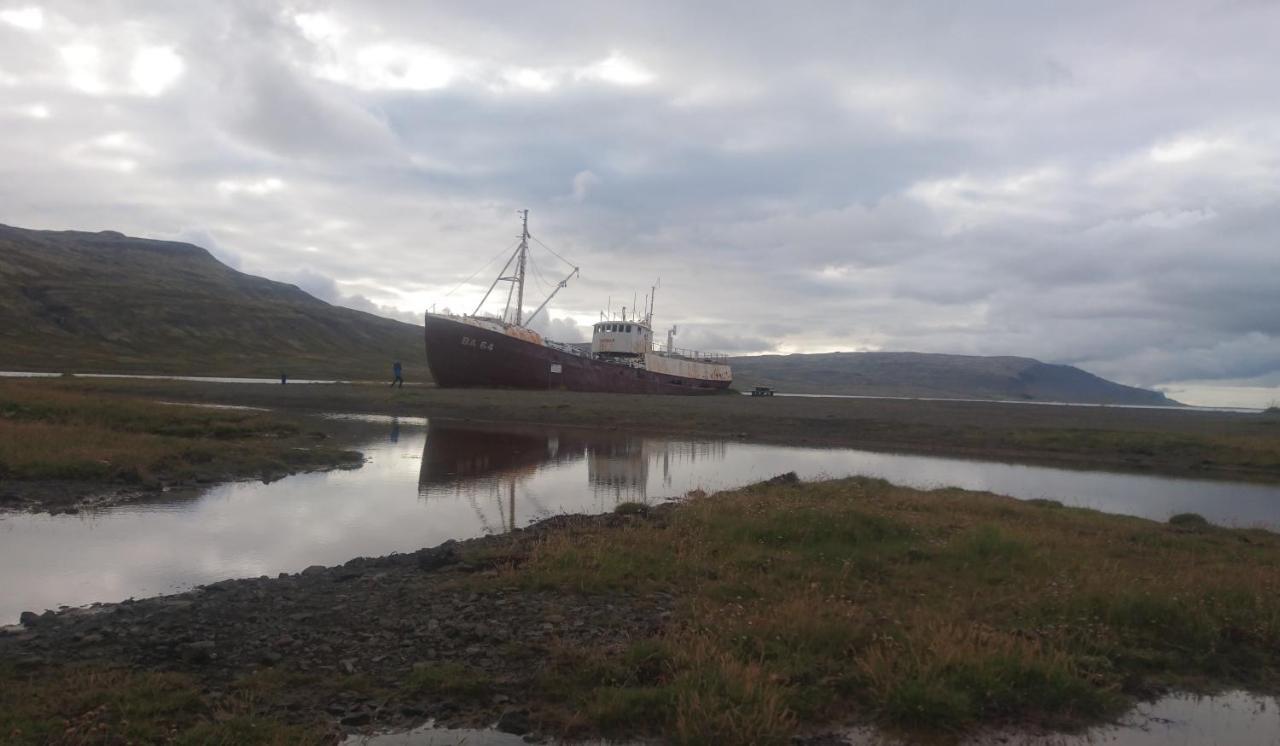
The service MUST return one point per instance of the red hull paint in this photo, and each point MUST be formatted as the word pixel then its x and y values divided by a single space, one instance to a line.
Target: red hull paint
pixel 461 355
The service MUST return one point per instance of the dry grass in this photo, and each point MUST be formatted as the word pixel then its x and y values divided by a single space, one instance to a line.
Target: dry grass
pixel 47 432
pixel 935 612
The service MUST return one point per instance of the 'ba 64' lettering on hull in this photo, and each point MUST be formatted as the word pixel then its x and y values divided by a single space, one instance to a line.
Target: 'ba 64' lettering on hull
pixel 478 343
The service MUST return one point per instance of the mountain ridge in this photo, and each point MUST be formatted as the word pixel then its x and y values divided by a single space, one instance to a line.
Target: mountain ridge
pixel 936 375
pixel 106 302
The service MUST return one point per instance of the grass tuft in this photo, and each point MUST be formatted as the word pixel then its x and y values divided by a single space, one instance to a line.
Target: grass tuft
pixel 631 508
pixel 452 679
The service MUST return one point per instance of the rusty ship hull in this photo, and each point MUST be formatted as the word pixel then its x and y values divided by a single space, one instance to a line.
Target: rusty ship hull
pixel 462 355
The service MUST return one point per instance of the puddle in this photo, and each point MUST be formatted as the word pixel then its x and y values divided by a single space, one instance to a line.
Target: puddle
pixel 429 735
pixel 1233 718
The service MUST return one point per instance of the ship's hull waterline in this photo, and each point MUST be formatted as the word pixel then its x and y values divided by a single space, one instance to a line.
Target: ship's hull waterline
pixel 462 355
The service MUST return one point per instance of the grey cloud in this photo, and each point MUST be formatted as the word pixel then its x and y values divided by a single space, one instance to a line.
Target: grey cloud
pixel 326 289
pixel 1094 184
pixel 561 329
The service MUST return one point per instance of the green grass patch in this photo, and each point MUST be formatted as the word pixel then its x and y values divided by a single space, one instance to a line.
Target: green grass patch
pixel 926 612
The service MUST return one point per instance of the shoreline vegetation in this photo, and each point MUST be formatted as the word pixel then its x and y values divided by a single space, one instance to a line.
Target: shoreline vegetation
pixel 1172 441
pixel 748 616
pixel 62 448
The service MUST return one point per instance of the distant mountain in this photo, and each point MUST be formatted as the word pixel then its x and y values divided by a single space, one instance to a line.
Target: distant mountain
pixel 104 302
pixel 919 374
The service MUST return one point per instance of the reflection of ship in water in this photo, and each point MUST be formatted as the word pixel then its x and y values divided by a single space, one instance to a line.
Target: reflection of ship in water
pixel 484 463
pixel 620 468
pixel 489 464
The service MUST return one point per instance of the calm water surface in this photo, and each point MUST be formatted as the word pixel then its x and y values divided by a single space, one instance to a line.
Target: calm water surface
pixel 427 482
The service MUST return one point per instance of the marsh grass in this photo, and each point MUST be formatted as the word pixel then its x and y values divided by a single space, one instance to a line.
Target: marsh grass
pixel 925 612
pixel 94 705
pixel 51 432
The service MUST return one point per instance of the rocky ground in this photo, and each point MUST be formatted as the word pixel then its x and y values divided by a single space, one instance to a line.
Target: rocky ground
pixel 57 496
pixel 371 645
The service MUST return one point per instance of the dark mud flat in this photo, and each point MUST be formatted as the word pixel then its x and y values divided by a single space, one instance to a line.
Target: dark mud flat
pixel 59 496
pixel 56 496
pixel 1174 441
pixel 371 645
pixel 63 496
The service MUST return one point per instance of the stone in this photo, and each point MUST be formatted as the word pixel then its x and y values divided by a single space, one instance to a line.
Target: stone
pixel 269 658
pixel 356 719
pixel 314 570
pixel 783 479
pixel 198 652
pixel 29 619
pixel 441 556
pixel 515 722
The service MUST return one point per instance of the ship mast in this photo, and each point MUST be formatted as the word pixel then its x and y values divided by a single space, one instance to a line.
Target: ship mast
pixel 520 259
pixel 524 250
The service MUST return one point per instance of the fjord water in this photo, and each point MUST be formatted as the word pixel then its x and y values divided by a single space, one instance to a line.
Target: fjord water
pixel 427 482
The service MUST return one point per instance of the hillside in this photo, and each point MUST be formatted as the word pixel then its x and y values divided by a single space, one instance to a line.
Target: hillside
pixel 104 302
pixel 931 375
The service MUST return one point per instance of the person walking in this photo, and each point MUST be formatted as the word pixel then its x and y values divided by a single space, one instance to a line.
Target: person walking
pixel 397 371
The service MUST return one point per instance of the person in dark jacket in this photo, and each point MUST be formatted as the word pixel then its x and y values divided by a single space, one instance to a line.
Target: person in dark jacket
pixel 396 370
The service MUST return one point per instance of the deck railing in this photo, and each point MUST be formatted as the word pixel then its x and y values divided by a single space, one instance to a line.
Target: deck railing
pixel 702 357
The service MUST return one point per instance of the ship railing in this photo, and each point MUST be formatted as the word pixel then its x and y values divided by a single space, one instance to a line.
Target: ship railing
pixel 565 347
pixel 695 355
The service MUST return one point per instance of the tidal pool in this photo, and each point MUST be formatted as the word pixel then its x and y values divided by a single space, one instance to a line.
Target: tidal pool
pixel 427 482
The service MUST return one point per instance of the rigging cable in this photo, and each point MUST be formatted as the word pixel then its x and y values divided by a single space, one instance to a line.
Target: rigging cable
pixel 553 251
pixel 538 277
pixel 478 271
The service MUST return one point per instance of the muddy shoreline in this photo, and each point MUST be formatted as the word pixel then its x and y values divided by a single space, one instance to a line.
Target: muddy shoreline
pixel 69 497
pixel 346 647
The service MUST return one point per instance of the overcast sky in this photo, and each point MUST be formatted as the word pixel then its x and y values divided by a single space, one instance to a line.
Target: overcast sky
pixel 1087 183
